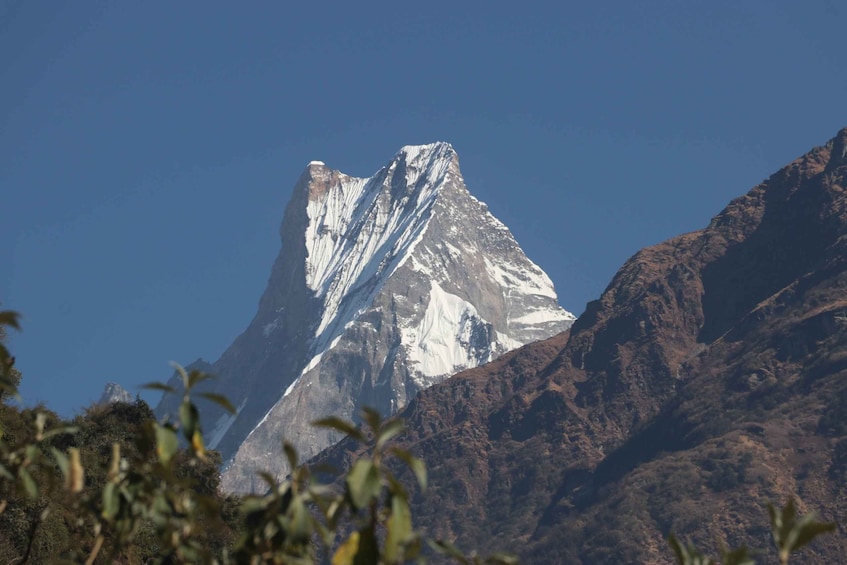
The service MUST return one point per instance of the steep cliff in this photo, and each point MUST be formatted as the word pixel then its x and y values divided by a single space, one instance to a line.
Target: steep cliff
pixel 383 286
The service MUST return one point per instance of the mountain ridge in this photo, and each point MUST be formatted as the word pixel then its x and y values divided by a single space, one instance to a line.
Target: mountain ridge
pixel 383 286
pixel 707 378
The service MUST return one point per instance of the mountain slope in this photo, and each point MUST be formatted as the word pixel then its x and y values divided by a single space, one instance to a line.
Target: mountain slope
pixel 708 379
pixel 383 287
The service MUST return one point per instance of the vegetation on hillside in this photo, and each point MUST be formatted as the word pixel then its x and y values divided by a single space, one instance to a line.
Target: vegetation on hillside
pixel 115 486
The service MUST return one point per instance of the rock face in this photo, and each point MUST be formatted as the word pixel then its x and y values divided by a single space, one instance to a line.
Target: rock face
pixel 113 392
pixel 383 287
pixel 708 379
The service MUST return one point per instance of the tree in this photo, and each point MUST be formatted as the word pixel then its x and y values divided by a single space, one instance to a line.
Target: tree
pixel 10 377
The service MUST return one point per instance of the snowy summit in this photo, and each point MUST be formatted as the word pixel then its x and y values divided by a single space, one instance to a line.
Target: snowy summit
pixel 384 286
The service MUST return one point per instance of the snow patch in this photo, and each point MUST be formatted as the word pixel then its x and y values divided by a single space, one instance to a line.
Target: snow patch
pixel 532 281
pixel 441 342
pixel 542 317
pixel 507 343
pixel 288 390
pixel 361 230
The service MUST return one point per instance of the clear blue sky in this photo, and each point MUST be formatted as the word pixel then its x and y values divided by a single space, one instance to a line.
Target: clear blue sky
pixel 147 149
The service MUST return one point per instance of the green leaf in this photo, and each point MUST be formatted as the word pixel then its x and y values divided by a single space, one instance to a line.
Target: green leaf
pixel 687 554
pixel 346 552
pixel 111 501
pixel 416 465
pixel 31 452
pixel 388 431
pixel 395 487
pixel 444 547
pixel 10 318
pixel 399 526
pixel 59 431
pixel 300 521
pixel 789 533
pixel 343 426
pixel 502 559
pixel 76 472
pixel 372 419
pixel 195 377
pixel 363 483
pixel 198 446
pixel 678 549
pixel 158 386
pixel 166 443
pixel 809 531
pixel 253 503
pixel 290 454
pixel 61 460
pixel 739 556
pixel 220 400
pixel 182 374
pixel 268 478
pixel 189 417
pixel 40 421
pixel 333 513
pixel 30 487
pixel 413 549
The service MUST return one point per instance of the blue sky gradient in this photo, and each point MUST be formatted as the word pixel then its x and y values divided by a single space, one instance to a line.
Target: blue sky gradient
pixel 147 150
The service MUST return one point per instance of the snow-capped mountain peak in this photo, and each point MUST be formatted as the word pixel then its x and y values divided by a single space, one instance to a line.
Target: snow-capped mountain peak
pixel 360 230
pixel 384 286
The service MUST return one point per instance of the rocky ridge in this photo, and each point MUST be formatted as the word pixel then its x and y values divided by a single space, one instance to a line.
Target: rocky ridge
pixel 709 378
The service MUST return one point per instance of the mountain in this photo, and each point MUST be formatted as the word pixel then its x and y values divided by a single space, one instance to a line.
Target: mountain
pixel 114 392
pixel 708 379
pixel 383 286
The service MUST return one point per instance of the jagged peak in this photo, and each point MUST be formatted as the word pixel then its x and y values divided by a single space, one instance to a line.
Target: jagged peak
pixel 410 154
pixel 429 160
pixel 422 153
pixel 113 392
pixel 432 159
pixel 316 179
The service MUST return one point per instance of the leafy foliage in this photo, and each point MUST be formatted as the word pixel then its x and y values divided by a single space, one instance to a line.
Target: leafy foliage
pixel 10 377
pixel 791 532
pixel 687 554
pixel 118 486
